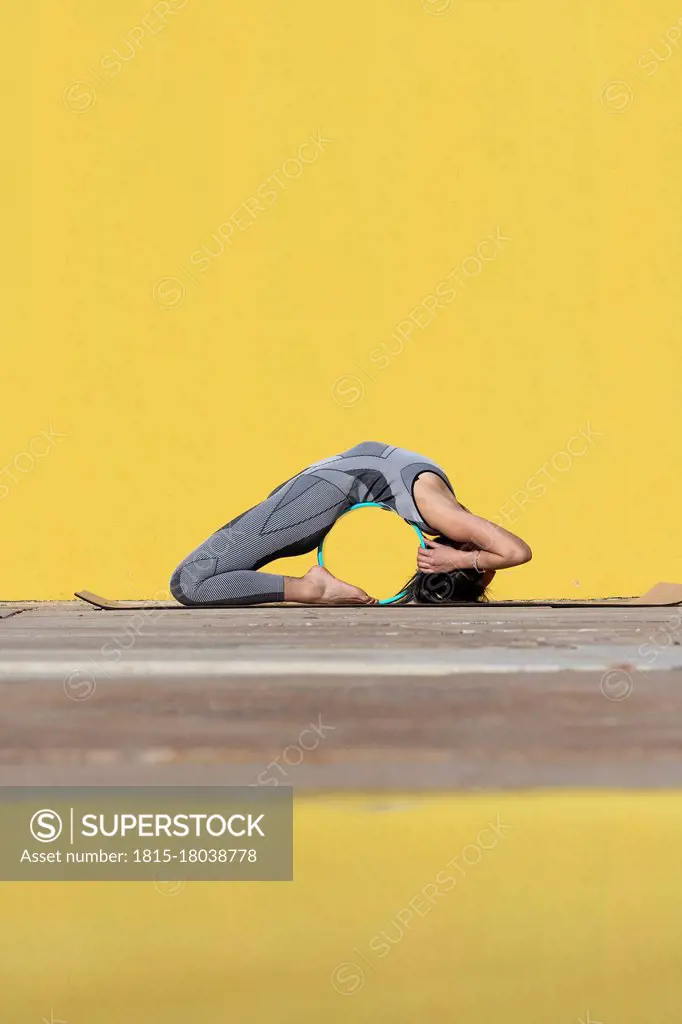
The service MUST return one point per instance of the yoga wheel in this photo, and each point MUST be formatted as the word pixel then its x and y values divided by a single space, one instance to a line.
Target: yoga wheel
pixel 386 508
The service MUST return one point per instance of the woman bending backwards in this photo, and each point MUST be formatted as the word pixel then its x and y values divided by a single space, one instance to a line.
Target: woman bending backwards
pixel 457 565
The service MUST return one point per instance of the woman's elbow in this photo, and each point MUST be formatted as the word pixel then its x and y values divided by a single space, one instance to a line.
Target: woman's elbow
pixel 522 553
pixel 516 553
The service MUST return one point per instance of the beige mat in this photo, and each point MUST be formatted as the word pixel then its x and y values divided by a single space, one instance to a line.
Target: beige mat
pixel 660 595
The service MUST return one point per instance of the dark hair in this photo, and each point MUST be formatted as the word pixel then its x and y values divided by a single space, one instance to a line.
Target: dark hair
pixel 458 586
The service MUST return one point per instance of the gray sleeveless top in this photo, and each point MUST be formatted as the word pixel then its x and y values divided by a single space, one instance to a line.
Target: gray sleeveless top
pixel 372 471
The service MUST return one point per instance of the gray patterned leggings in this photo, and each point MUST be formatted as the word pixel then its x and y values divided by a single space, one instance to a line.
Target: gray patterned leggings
pixel 291 521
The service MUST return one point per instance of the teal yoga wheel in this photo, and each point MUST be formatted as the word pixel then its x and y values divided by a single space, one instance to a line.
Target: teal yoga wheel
pixel 386 508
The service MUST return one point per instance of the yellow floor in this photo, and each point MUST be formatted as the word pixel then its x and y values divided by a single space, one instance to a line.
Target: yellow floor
pixel 570 905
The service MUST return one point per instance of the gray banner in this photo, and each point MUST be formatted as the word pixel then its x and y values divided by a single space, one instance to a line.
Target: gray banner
pixel 165 835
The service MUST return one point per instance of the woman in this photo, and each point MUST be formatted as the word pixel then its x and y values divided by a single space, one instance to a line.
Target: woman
pixel 457 565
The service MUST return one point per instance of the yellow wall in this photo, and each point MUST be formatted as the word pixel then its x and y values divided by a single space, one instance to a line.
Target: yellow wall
pixel 182 401
pixel 573 907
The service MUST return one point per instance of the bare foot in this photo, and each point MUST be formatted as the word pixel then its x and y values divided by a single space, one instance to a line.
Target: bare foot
pixel 327 589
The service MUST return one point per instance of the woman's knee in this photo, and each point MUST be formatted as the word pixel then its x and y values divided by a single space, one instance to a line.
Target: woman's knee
pixel 188 577
pixel 179 587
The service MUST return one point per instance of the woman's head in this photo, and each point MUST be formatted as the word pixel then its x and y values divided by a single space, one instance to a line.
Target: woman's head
pixel 453 587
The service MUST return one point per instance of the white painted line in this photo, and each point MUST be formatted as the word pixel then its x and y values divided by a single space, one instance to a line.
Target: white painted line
pixel 79 667
pixel 45 670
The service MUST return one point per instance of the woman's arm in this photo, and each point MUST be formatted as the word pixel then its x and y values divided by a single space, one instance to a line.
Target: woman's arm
pixel 485 545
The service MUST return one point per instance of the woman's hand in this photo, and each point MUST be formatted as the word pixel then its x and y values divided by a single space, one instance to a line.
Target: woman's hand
pixel 442 558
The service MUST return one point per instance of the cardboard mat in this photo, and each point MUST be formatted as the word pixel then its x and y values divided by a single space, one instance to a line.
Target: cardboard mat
pixel 660 595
